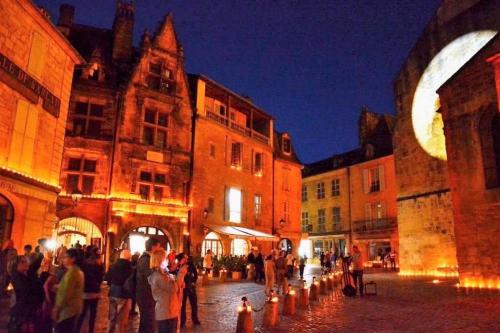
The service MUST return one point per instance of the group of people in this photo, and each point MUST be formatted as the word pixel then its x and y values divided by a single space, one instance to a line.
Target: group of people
pixel 60 291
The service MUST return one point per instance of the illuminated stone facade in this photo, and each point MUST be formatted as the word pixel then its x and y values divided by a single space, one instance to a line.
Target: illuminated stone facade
pixel 425 220
pixel 36 69
pixel 350 198
pixel 243 173
pixel 471 115
pixel 128 135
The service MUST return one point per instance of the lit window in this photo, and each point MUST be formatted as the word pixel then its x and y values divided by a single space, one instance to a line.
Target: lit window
pixel 213 244
pixel 304 192
pixel 155 127
pixel 239 247
pixel 258 205
pixel 335 187
pixel 258 165
pixel 236 157
pixel 305 221
pixel 320 190
pixel 373 179
pixel 88 119
pixel 235 205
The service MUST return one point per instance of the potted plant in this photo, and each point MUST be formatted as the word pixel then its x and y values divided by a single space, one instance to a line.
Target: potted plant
pixel 238 265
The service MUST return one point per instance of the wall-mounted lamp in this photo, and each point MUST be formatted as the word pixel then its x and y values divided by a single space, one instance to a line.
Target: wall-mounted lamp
pixel 205 213
pixel 282 222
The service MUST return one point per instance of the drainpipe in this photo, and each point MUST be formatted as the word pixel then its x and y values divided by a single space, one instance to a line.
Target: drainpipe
pixel 350 210
pixel 273 208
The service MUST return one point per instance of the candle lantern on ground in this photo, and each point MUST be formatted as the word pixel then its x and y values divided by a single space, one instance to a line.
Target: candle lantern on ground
pixel 314 290
pixel 245 322
pixel 322 285
pixel 289 302
pixel 304 296
pixel 223 275
pixel 329 282
pixel 271 317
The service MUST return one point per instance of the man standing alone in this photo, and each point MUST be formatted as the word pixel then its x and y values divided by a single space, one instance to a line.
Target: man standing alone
pixel 357 269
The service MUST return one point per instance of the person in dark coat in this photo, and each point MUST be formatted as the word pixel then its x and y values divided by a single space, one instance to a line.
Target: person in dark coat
pixel 93 270
pixel 144 297
pixel 190 292
pixel 259 268
pixel 8 256
pixel 135 258
pixel 29 295
pixel 120 292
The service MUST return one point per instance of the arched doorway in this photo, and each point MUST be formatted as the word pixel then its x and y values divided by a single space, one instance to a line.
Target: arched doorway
pixel 285 245
pixel 213 243
pixel 240 247
pixel 136 239
pixel 6 218
pixel 77 230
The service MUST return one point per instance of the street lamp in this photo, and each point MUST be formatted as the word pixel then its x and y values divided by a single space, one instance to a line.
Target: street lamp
pixel 76 196
pixel 282 222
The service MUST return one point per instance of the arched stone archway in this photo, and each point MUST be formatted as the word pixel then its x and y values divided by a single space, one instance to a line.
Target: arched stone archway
pixel 77 230
pixel 6 218
pixel 136 238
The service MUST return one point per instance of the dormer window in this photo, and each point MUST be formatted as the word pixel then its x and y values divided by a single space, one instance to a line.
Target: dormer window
pixel 287 145
pixel 160 78
pixel 94 72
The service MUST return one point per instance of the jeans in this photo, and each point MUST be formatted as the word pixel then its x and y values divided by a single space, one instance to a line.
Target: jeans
pixel 193 300
pixel 167 326
pixel 357 276
pixel 89 305
pixel 119 309
pixel 67 325
pixel 147 318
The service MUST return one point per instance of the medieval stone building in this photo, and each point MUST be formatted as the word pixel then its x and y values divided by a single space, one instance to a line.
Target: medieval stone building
pixel 350 198
pixel 128 137
pixel 36 69
pixel 434 221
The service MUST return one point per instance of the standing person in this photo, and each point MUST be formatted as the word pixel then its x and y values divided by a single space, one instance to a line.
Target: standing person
pixel 28 293
pixel 302 265
pixel 119 293
pixel 333 258
pixel 281 271
pixel 166 290
pixel 189 291
pixel 93 271
pixel 69 296
pixel 29 254
pixel 322 260
pixel 143 294
pixel 259 267
pixel 172 264
pixel 392 258
pixel 49 282
pixel 328 263
pixel 208 262
pixel 357 269
pixel 8 257
pixel 270 273
pixel 134 260
pixel 290 261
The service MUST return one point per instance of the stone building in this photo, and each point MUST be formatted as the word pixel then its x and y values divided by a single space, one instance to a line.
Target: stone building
pixel 36 69
pixel 427 238
pixel 246 177
pixel 128 136
pixel 471 116
pixel 350 198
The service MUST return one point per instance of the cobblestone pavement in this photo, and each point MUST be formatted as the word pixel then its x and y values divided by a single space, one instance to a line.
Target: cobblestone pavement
pixel 402 305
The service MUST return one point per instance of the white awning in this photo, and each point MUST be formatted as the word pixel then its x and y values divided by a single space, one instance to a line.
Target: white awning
pixel 240 232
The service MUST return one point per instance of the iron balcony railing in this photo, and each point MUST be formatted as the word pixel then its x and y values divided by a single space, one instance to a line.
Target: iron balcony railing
pixel 236 127
pixel 366 226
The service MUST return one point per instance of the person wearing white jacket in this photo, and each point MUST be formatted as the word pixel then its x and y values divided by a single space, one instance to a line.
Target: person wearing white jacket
pixel 167 291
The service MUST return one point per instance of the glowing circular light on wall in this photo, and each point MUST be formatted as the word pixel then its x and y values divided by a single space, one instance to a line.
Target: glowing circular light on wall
pixel 427 123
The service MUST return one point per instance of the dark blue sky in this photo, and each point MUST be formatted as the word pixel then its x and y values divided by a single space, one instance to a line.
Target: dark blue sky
pixel 311 64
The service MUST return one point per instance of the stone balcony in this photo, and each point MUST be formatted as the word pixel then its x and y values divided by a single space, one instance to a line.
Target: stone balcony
pixel 373 226
pixel 237 127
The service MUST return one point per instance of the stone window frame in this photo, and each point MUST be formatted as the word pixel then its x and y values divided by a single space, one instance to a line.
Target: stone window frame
pixel 304 193
pixel 155 126
pixel 490 159
pixel 155 186
pixel 336 187
pixel 257 200
pixel 321 220
pixel 286 144
pixel 164 75
pixel 236 154
pixel 320 190
pixel 91 116
pixel 336 216
pixel 305 221
pixel 258 163
pixel 84 171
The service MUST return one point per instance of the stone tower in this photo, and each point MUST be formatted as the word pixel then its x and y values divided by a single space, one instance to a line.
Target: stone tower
pixel 425 220
pixel 123 31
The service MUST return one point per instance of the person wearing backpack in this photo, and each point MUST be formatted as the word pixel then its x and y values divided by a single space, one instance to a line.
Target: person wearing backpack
pixel 120 279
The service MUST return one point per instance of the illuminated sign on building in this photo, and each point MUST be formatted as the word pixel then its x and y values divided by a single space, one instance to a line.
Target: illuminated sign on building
pixel 27 86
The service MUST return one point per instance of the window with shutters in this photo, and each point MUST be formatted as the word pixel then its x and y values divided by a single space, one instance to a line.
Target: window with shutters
pixel 160 78
pixel 236 155
pixel 235 204
pixel 23 137
pixel 258 164
pixel 320 190
pixel 335 187
pixel 81 174
pixel 152 185
pixel 88 119
pixel 305 221
pixel 373 179
pixel 321 220
pixel 304 193
pixel 38 52
pixel 154 131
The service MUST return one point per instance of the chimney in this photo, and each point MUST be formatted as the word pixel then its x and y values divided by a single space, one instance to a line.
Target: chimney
pixel 66 16
pixel 123 29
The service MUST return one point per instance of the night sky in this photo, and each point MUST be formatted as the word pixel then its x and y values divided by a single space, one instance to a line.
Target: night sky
pixel 310 64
